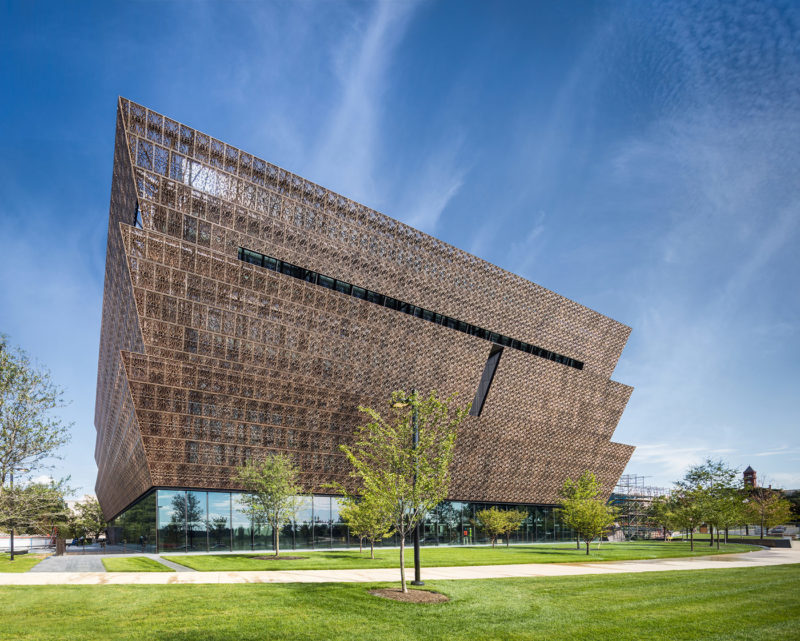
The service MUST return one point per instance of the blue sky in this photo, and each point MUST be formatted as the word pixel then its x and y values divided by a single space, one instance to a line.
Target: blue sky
pixel 640 158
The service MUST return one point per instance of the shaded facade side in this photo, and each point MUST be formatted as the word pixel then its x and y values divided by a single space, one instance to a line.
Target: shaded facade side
pixel 123 471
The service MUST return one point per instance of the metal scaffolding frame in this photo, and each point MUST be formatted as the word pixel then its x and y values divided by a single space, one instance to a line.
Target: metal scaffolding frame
pixel 633 496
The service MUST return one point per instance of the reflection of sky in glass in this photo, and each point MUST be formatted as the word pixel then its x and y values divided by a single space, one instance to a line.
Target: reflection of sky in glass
pixel 219 505
pixel 170 508
pixel 322 509
pixel 304 511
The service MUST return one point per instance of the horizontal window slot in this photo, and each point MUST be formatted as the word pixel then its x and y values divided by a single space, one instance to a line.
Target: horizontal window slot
pixel 294 271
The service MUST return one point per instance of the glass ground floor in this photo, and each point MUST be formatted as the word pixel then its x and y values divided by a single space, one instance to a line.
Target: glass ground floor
pixel 167 520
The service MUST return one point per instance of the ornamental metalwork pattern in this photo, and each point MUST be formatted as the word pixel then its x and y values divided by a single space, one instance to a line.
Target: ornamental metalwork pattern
pixel 206 360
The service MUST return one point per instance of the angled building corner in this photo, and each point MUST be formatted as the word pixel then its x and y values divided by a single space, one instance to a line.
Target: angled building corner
pixel 247 310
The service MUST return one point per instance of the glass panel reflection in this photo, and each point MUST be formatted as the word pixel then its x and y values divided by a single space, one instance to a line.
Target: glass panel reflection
pixel 171 520
pixel 240 523
pixel 196 508
pixel 177 520
pixel 219 521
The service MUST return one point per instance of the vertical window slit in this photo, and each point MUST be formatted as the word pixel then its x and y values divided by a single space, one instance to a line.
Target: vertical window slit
pixel 486 380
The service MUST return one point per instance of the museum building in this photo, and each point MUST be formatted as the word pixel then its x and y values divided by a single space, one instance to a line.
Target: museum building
pixel 247 310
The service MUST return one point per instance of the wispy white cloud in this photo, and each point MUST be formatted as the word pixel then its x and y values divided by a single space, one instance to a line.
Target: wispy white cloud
pixel 523 252
pixel 666 462
pixel 433 184
pixel 345 155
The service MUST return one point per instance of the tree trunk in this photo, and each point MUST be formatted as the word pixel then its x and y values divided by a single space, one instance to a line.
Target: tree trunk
pixel 746 530
pixel 587 547
pixel 493 540
pixel 717 538
pixel 277 539
pixel 361 545
pixel 726 536
pixel 691 540
pixel 508 539
pixel 372 548
pixel 711 536
pixel 403 563
pixel 577 543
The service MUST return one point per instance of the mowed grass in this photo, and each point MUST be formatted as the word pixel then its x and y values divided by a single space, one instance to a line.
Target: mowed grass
pixel 447 557
pixel 134 564
pixel 713 605
pixel 21 563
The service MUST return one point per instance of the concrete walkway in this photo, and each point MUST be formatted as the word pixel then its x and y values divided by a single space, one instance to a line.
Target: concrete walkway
pixel 745 560
pixel 70 563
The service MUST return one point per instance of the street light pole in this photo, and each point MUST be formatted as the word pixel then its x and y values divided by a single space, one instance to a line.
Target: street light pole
pixel 415 426
pixel 12 513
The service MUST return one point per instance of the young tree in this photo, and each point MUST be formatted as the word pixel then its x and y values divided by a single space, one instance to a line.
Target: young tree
pixel 729 510
pixel 496 522
pixel 88 517
pixel 403 479
pixel 35 508
pixel 584 510
pixel 688 511
pixel 767 507
pixel 493 521
pixel 28 431
pixel 274 491
pixel 366 520
pixel 709 484
pixel 585 488
pixel 662 512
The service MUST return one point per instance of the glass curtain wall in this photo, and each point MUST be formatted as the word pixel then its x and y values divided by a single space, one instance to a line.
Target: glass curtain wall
pixel 135 529
pixel 181 520
pixel 219 521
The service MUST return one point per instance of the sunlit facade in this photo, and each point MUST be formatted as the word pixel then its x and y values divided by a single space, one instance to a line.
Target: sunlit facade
pixel 248 311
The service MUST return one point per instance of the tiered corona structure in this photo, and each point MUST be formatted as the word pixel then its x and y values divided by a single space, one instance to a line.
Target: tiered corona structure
pixel 248 310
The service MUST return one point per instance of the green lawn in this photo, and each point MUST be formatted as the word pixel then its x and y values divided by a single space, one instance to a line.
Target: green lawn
pixel 134 564
pixel 445 556
pixel 21 563
pixel 712 605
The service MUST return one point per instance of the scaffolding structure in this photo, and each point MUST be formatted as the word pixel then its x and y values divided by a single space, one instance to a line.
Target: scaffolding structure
pixel 633 496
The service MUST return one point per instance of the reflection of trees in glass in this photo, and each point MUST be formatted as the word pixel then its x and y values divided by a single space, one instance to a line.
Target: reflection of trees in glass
pixel 219 530
pixel 186 512
pixel 178 509
pixel 194 517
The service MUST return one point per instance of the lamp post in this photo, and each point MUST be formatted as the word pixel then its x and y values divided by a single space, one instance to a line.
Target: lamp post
pixel 23 470
pixel 415 444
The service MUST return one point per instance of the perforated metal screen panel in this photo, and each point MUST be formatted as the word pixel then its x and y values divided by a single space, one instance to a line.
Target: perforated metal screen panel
pixel 206 359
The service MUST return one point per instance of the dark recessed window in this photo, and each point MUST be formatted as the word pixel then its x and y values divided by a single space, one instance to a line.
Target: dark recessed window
pixel 249 256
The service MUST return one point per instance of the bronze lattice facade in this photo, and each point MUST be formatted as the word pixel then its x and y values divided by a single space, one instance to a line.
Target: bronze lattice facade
pixel 207 358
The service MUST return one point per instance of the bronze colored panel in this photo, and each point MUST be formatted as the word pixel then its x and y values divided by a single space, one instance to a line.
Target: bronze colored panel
pixel 206 360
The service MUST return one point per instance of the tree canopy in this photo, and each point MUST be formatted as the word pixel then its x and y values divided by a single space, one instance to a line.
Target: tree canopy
pixel 29 432
pixel 274 492
pixel 366 520
pixel 402 480
pixel 497 522
pixel 584 509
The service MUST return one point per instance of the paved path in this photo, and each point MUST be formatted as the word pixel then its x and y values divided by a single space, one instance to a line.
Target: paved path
pixel 70 563
pixel 746 560
pixel 170 564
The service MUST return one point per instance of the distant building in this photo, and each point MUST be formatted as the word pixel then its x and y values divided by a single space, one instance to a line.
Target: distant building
pixel 750 479
pixel 247 310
